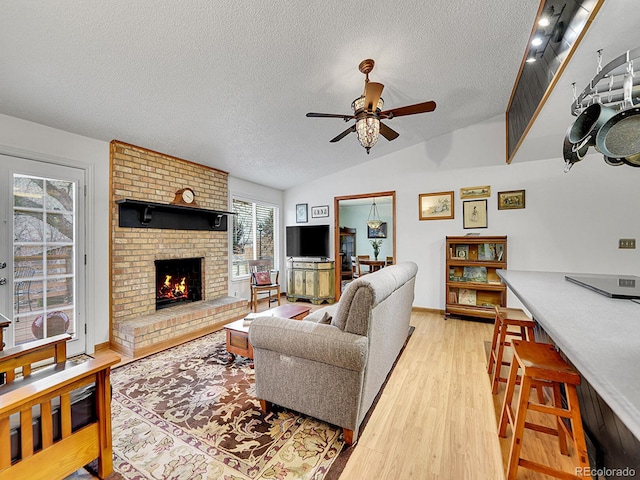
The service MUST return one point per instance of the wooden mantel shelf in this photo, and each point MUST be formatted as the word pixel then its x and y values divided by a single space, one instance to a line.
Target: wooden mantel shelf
pixel 142 214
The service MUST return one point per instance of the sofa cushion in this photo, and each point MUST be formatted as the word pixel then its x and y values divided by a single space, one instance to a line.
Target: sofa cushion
pixel 319 314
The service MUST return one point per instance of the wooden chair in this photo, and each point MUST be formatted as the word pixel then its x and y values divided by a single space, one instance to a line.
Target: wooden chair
pixel 354 267
pixel 59 456
pixel 22 288
pixel 541 364
pixel 261 281
pixel 360 270
pixel 389 261
pixel 521 327
pixel 4 323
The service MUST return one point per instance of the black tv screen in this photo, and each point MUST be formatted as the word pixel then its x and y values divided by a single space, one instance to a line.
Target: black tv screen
pixel 308 241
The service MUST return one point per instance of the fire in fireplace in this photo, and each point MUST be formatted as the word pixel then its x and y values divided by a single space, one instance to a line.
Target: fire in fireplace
pixel 178 280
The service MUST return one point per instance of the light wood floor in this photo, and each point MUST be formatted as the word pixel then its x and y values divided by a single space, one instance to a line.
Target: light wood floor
pixel 437 417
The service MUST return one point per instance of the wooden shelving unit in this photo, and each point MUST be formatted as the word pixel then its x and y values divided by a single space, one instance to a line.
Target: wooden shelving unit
pixel 473 287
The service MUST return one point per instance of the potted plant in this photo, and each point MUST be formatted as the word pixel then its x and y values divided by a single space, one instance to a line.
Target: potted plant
pixel 376 247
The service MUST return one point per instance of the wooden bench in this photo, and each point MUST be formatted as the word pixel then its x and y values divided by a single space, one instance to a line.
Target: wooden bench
pixel 22 390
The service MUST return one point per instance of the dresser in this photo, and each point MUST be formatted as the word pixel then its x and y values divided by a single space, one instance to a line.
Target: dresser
pixel 311 280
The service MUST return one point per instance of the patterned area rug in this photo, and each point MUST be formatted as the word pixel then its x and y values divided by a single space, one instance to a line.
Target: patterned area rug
pixel 186 413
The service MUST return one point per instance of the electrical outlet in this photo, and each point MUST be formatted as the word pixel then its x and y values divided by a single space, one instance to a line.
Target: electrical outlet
pixel 627 243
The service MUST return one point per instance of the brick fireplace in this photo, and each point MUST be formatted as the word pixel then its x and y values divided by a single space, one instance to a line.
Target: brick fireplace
pixel 137 327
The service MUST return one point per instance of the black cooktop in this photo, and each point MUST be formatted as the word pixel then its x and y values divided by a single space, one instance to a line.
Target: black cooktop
pixel 614 286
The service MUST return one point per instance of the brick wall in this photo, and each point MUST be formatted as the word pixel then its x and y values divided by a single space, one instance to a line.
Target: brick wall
pixel 141 174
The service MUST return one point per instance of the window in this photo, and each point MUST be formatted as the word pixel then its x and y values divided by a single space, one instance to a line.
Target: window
pixel 44 245
pixel 254 235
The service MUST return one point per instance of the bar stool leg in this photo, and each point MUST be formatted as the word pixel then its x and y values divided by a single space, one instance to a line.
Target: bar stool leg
pixel 577 429
pixel 499 355
pixel 518 428
pixel 494 341
pixel 562 436
pixel 507 411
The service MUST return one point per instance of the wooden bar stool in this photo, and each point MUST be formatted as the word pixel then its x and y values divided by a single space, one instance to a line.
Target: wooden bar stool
pixel 541 364
pixel 505 318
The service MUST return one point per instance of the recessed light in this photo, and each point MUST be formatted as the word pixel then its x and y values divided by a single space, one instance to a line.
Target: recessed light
pixel 544 22
pixel 536 41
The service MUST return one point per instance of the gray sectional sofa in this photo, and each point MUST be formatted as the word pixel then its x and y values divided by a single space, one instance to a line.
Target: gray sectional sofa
pixel 332 364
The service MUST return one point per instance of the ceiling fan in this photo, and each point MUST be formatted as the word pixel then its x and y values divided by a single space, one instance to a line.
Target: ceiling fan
pixel 367 111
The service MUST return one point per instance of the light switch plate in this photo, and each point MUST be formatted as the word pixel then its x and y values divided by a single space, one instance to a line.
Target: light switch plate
pixel 627 243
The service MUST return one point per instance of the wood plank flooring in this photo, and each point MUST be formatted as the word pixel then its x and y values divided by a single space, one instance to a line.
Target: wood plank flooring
pixel 437 418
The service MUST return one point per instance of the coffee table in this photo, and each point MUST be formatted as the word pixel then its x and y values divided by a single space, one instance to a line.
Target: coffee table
pixel 238 332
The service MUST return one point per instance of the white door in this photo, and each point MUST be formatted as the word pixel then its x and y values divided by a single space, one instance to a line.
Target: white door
pixel 42 235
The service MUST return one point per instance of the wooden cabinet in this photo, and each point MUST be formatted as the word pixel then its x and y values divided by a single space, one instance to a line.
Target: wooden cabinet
pixel 473 287
pixel 347 250
pixel 311 280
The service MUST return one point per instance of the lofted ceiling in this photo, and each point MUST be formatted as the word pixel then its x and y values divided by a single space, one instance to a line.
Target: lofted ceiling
pixel 228 84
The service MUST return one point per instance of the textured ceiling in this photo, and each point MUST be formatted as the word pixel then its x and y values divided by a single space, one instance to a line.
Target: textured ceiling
pixel 228 84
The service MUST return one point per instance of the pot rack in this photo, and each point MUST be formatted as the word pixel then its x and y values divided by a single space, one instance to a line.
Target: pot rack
pixel 607 84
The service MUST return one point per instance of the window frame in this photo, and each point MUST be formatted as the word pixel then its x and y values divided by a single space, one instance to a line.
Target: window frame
pixel 276 233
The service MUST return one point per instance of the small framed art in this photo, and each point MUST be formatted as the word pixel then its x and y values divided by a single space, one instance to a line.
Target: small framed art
pixel 435 206
pixel 474 214
pixel 301 213
pixel 475 192
pixel 321 211
pixel 380 232
pixel 511 200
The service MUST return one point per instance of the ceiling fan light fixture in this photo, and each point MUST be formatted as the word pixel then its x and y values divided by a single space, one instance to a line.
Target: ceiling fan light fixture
pixel 358 104
pixel 368 130
pixel 374 217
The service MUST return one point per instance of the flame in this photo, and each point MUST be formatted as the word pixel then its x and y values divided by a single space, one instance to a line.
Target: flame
pixel 173 289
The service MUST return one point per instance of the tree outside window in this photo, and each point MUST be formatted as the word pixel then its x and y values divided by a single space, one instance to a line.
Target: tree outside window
pixel 253 236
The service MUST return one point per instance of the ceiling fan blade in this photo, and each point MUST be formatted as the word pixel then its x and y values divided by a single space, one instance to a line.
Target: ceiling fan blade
pixel 409 110
pixel 388 133
pixel 352 128
pixel 372 92
pixel 346 118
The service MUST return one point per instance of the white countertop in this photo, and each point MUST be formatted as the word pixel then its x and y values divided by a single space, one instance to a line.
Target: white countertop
pixel 598 334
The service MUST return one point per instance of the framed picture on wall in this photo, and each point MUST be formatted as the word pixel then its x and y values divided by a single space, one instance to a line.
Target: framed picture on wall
pixel 474 214
pixel 321 211
pixel 301 213
pixel 435 206
pixel 380 232
pixel 475 192
pixel 511 200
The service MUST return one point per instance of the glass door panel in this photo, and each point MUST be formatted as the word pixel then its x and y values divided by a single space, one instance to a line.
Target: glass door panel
pixel 44 286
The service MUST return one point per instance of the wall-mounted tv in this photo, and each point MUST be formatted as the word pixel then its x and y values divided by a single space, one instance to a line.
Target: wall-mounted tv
pixel 308 241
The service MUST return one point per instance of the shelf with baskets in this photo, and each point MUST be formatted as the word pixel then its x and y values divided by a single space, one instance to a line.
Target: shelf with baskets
pixel 473 287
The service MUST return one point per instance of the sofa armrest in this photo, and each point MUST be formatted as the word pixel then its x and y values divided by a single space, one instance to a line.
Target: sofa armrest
pixel 309 340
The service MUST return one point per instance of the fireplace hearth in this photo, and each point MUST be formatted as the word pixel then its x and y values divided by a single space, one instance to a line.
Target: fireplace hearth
pixel 177 281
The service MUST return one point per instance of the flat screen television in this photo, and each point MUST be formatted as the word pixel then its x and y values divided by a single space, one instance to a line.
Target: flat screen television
pixel 308 241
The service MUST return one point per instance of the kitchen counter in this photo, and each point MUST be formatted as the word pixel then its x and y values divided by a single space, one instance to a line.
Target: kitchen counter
pixel 599 335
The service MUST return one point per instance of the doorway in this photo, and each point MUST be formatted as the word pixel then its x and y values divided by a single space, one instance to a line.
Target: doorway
pixel 354 237
pixel 42 290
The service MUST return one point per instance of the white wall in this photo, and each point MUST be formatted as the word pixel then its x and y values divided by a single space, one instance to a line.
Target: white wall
pixel 38 142
pixel 572 222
